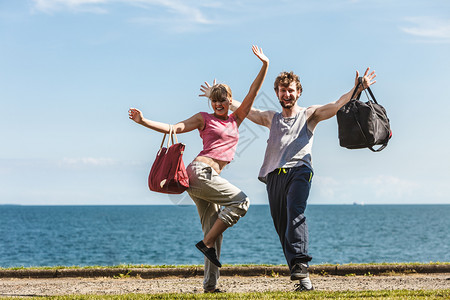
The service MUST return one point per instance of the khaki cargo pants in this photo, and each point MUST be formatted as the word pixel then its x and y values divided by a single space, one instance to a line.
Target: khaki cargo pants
pixel 214 197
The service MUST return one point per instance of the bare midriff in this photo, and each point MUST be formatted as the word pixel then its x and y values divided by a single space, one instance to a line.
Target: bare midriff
pixel 216 164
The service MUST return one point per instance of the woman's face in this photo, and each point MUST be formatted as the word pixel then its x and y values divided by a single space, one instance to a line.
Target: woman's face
pixel 221 107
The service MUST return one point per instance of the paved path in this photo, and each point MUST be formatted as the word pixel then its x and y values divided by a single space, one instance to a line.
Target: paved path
pixel 239 284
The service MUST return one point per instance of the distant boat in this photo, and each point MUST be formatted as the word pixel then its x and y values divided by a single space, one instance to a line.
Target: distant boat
pixel 358 203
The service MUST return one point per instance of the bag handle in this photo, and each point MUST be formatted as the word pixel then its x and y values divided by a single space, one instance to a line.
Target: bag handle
pixel 372 97
pixel 356 89
pixel 172 135
pixel 365 90
pixel 370 103
pixel 379 149
pixel 370 91
pixel 164 138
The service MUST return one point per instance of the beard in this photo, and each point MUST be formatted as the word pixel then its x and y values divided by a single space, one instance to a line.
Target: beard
pixel 289 104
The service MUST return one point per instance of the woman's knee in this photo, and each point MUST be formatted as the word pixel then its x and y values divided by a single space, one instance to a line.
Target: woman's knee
pixel 232 213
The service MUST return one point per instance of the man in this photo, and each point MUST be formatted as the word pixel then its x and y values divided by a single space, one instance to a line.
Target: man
pixel 287 167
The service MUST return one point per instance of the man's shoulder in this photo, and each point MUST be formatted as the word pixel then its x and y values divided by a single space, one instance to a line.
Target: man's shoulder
pixel 271 112
pixel 265 117
pixel 311 109
pixel 265 113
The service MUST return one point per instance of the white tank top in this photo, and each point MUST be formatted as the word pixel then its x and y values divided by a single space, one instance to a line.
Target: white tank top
pixel 289 144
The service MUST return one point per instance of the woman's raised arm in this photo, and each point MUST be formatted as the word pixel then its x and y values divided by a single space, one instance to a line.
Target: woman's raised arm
pixel 243 110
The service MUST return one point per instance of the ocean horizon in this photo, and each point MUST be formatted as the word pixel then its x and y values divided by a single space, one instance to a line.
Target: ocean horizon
pixel 105 235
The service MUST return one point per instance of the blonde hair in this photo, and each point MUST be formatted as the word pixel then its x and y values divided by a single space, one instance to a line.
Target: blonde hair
pixel 219 91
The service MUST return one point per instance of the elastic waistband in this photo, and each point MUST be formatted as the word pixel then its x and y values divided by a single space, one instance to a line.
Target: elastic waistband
pixel 200 165
pixel 279 171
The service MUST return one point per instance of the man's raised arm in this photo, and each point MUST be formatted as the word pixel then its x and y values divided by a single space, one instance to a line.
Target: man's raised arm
pixel 318 113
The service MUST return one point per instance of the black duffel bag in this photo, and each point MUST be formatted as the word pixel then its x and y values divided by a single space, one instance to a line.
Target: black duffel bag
pixel 363 125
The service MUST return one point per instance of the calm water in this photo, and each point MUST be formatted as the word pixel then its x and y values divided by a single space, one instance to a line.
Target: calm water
pixel 112 235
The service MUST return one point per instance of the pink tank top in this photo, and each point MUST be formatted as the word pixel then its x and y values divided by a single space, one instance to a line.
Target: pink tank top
pixel 220 137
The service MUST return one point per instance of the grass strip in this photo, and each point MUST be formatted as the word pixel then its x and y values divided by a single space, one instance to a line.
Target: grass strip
pixel 122 266
pixel 383 294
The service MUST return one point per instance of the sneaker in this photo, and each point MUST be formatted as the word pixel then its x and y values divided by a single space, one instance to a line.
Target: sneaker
pixel 214 291
pixel 299 271
pixel 299 287
pixel 210 253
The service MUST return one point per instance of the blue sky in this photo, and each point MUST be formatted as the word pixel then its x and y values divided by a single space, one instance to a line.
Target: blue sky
pixel 70 69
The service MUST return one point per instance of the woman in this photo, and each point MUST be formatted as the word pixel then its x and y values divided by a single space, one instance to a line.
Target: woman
pixel 209 191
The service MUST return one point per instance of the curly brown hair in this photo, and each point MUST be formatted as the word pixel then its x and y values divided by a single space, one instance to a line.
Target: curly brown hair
pixel 285 79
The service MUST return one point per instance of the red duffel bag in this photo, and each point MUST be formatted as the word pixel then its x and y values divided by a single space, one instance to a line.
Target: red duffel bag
pixel 168 174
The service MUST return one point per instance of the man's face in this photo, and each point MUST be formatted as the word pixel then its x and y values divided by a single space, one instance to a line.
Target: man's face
pixel 288 95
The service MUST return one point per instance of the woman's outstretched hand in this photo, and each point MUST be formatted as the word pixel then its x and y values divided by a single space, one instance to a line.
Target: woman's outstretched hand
pixel 259 53
pixel 206 89
pixel 135 115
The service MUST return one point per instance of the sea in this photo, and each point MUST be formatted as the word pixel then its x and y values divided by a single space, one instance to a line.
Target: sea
pixel 32 236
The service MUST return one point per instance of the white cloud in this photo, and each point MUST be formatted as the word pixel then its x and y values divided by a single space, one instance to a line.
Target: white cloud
pixel 50 6
pixel 391 187
pixel 188 12
pixel 327 187
pixel 24 165
pixel 431 28
pixel 87 161
pixel 99 162
pixel 378 189
pixel 85 180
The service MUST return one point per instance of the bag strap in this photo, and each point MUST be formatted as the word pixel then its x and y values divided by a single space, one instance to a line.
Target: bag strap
pixel 371 94
pixel 374 100
pixel 372 97
pixel 365 90
pixel 174 135
pixel 362 132
pixel 162 142
pixel 379 149
pixel 356 89
pixel 171 135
